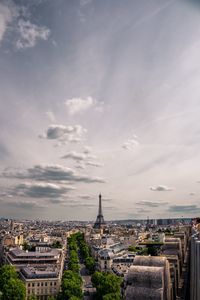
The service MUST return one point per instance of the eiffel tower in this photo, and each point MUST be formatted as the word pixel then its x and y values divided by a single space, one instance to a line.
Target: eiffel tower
pixel 100 219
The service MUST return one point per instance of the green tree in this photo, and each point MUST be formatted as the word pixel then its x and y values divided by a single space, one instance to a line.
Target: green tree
pixel 56 244
pixel 7 272
pixel 138 250
pixel 84 249
pixel 14 289
pixel 97 278
pixel 71 286
pixel 112 296
pixel 106 284
pixel 69 275
pixel 90 264
pixel 32 297
pixel 132 249
pixel 74 298
pixel 28 247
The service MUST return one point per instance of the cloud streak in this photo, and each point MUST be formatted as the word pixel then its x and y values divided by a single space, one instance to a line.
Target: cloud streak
pixel 40 190
pixel 78 156
pixel 184 209
pixel 53 173
pixel 151 203
pixel 161 188
pixel 25 204
pixel 84 159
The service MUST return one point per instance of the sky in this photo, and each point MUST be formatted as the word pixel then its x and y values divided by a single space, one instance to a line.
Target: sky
pixel 99 97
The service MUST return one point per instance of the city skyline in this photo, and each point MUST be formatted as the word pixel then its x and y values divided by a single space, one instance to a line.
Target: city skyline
pixel 99 97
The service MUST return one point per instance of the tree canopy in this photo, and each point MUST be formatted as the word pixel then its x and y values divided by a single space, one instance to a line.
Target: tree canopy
pixel 71 286
pixel 107 285
pixel 56 244
pixel 10 285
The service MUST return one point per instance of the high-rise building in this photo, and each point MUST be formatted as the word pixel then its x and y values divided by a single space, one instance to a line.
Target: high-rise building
pixel 100 219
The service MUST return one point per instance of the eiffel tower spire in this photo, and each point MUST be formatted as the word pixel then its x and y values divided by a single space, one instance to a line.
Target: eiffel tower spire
pixel 100 219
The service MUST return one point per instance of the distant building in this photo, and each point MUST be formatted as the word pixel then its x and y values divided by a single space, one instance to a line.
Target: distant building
pixel 106 256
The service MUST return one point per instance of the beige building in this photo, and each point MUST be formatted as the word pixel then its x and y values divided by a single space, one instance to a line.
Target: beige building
pixel 40 271
pixel 41 282
pixel 106 255
pixel 13 240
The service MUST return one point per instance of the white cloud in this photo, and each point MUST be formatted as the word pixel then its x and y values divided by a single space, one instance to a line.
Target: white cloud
pixel 15 18
pixel 64 133
pixel 160 188
pixel 6 16
pixel 85 158
pixel 79 156
pixel 79 105
pixel 29 34
pixel 50 116
pixel 131 143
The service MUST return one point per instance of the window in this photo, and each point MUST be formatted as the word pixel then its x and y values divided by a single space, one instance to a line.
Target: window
pixel 45 283
pixel 33 284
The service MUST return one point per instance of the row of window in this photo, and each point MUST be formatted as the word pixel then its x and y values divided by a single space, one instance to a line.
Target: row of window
pixel 41 297
pixel 42 291
pixel 33 284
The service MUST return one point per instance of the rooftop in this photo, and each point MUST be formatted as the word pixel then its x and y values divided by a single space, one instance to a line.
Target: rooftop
pixel 45 272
